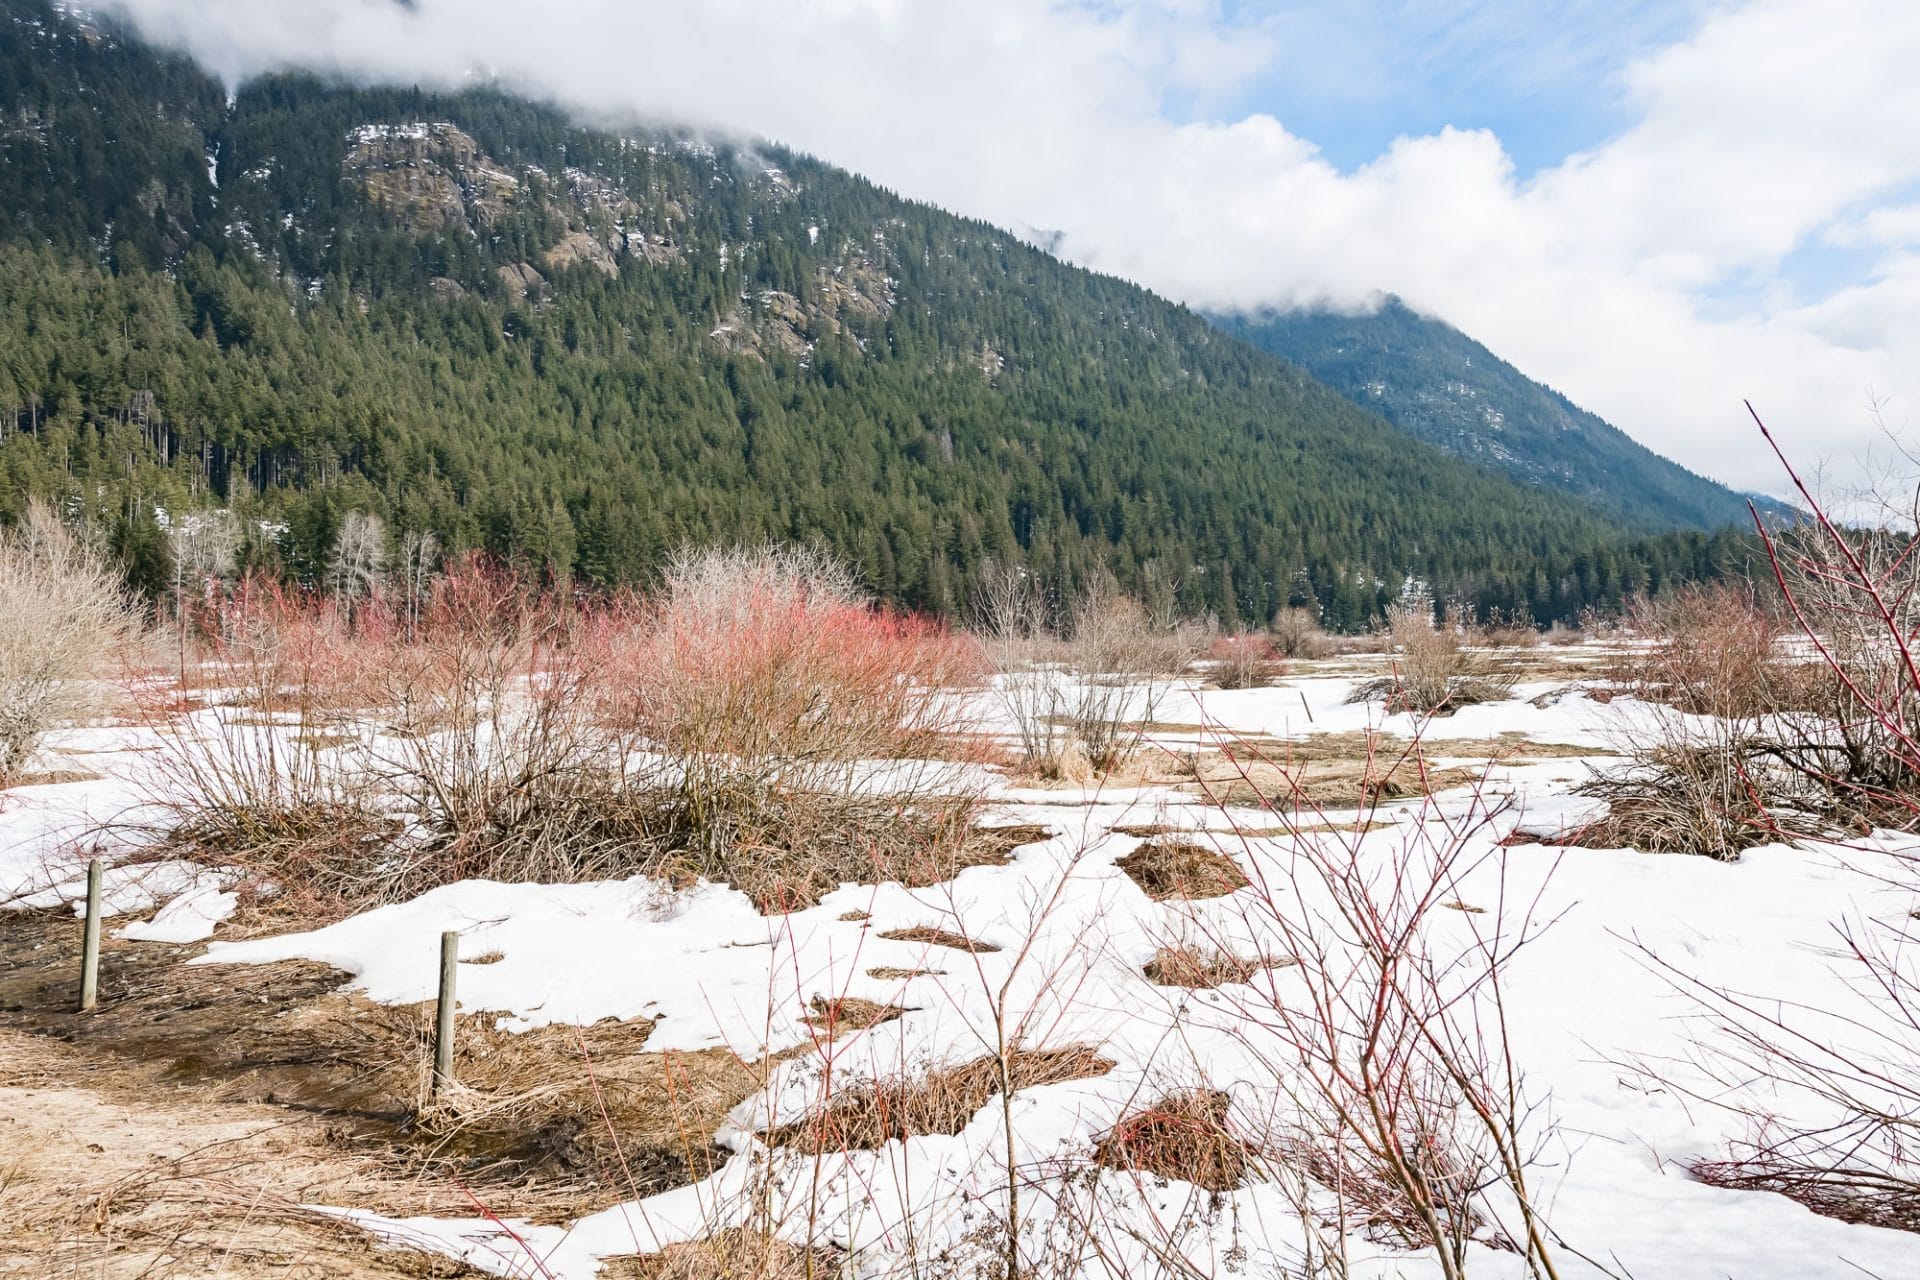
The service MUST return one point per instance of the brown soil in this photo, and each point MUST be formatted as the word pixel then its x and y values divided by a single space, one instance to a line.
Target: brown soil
pixel 124 1178
pixel 529 1126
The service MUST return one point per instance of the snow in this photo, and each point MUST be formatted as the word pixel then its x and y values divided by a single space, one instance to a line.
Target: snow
pixel 1587 1001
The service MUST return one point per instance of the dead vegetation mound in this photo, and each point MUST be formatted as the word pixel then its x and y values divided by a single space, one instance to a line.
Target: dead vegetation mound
pixel 934 935
pixel 1168 869
pixel 736 1253
pixel 941 1101
pixel 849 1013
pixel 1185 965
pixel 1184 1137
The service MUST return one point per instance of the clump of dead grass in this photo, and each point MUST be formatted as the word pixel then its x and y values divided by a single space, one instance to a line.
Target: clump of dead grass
pixel 1334 784
pixel 941 1101
pixel 1168 869
pixel 849 1013
pixel 934 935
pixel 736 1253
pixel 1184 1137
pixel 1188 965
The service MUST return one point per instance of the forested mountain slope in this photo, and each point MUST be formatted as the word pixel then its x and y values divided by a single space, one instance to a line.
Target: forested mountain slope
pixel 582 349
pixel 1438 385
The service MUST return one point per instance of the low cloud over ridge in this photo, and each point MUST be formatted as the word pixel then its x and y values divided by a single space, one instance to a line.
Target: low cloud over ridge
pixel 1754 232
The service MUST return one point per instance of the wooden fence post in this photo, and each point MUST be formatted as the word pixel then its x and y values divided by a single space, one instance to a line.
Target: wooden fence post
pixel 444 1010
pixel 90 944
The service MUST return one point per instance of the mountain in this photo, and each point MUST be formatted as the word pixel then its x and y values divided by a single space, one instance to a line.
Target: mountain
pixel 1440 386
pixel 582 348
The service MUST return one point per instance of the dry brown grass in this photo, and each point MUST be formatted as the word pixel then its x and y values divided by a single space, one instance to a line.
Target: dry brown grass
pixel 849 1013
pixel 892 973
pixel 1184 1137
pixel 736 1253
pixel 866 1116
pixel 1169 869
pixel 1187 965
pixel 49 778
pixel 1335 784
pixel 934 935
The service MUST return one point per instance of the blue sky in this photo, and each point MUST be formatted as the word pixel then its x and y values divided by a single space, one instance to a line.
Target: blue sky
pixel 1352 75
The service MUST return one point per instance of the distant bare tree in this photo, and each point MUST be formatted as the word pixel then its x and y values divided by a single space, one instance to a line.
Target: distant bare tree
pixel 419 559
pixel 62 611
pixel 359 559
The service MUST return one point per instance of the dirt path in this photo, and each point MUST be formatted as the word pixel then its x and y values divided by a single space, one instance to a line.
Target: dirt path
pixel 179 1129
pixel 94 1183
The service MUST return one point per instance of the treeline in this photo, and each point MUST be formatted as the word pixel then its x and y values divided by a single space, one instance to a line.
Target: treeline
pixel 767 348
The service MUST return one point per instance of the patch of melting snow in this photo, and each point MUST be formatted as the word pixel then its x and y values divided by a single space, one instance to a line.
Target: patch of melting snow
pixel 1073 934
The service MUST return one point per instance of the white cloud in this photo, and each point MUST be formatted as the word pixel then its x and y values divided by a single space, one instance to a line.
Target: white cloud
pixel 1774 125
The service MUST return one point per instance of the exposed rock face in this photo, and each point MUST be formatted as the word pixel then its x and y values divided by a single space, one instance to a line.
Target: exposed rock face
pixel 578 247
pixel 431 176
pixel 522 281
pixel 780 321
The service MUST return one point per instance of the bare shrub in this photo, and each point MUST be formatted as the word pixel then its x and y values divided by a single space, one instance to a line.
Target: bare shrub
pixel 1706 773
pixel 1506 629
pixel 1184 1136
pixel 62 614
pixel 941 1101
pixel 1082 704
pixel 1244 662
pixel 757 723
pixel 490 741
pixel 1388 1043
pixel 791 725
pixel 1711 650
pixel 1297 633
pixel 1435 672
pixel 1828 1097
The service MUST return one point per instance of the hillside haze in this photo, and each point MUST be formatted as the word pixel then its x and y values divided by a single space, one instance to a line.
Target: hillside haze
pixel 1440 386
pixel 581 349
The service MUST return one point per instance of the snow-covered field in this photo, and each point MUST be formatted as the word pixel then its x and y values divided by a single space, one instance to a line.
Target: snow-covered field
pixel 1597 1026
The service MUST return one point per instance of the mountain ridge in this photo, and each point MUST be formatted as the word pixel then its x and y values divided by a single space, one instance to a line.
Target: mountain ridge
pixel 1443 387
pixel 582 348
